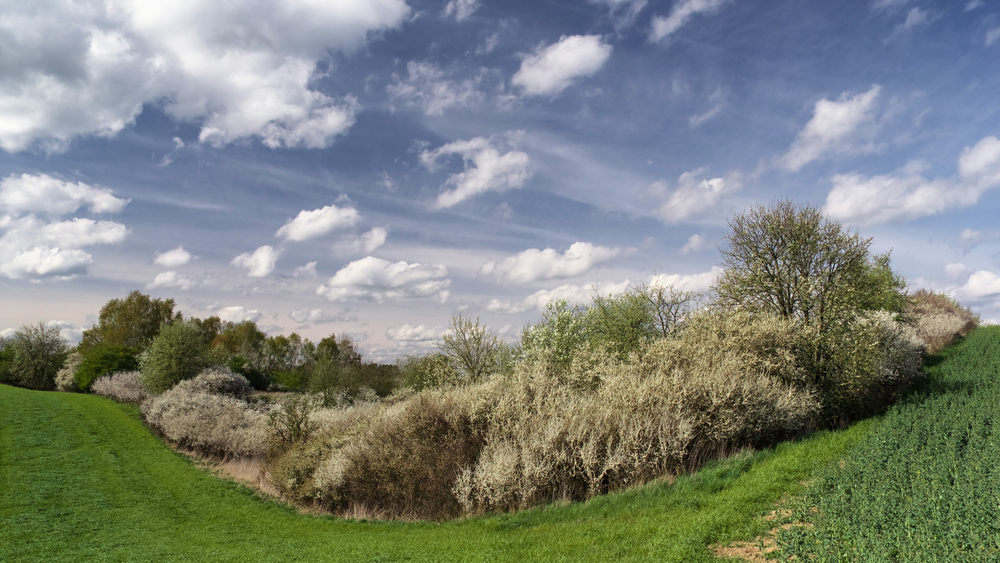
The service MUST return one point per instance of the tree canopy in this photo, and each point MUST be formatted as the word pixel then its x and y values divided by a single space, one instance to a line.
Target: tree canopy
pixel 132 322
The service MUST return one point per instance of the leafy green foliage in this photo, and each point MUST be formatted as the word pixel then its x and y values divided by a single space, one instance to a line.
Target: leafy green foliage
pixel 793 262
pixel 36 354
pixel 558 336
pixel 426 372
pixel 132 322
pixel 923 486
pixel 101 360
pixel 176 354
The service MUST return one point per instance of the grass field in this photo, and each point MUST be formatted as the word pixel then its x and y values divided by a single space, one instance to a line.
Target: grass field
pixel 925 484
pixel 82 479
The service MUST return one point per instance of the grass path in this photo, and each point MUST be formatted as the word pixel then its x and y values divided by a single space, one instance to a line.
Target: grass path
pixel 81 478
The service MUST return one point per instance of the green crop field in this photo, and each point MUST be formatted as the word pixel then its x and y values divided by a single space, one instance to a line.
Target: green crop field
pixel 925 484
pixel 82 479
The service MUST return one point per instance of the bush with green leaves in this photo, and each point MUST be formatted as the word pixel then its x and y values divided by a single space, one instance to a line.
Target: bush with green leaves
pixel 133 321
pixel 428 372
pixel 37 352
pixel 177 353
pixel 101 360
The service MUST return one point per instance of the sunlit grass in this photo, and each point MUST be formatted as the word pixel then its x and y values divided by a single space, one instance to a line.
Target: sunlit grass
pixel 81 478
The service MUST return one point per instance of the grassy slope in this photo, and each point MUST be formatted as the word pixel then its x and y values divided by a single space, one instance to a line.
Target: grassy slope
pixel 925 484
pixel 82 478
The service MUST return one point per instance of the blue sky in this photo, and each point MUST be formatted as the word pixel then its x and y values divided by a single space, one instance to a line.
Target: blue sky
pixel 373 167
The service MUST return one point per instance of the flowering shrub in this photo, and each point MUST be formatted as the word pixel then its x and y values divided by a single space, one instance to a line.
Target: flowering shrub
pixel 124 387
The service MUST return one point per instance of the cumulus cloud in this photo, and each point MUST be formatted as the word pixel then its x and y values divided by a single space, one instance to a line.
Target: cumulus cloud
pixel 695 243
pixel 236 69
pixel 307 270
pixel 485 169
pixel 376 279
pixel 259 263
pixel 980 285
pixel 845 125
pixel 427 88
pixel 552 69
pixel 320 316
pixel 461 9
pixel 681 13
pixel 574 294
pixel 44 246
pixel 419 333
pixel 907 194
pixel 40 193
pixel 238 314
pixel 70 332
pixel 366 243
pixel 173 258
pixel 172 279
pixel 318 222
pixel 694 194
pixel 969 239
pixel 698 283
pixel 533 264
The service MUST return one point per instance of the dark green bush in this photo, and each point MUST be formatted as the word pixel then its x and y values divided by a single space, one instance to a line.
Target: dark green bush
pixel 104 359
pixel 176 354
pixel 239 364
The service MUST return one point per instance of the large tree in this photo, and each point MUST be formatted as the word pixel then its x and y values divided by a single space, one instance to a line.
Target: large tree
pixel 132 322
pixel 36 354
pixel 794 262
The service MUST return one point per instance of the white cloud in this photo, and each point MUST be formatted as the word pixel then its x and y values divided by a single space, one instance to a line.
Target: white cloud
pixel 533 264
pixel 319 316
pixel 366 243
pixel 969 239
pixel 880 5
pixel 694 195
pixel 173 258
pixel 238 314
pixel 33 247
pixel 681 13
pixel 624 11
pixel 695 243
pixel 258 264
pixel 419 333
pixel 916 17
pixel 992 35
pixel 67 330
pixel 958 271
pixel 236 69
pixel 574 294
pixel 318 222
pixel 172 279
pixel 485 169
pixel 307 270
pixel 550 70
pixel 40 193
pixel 841 126
pixel 972 5
pixel 980 285
pixel 698 283
pixel 907 194
pixel 461 9
pixel 426 87
pixel 376 279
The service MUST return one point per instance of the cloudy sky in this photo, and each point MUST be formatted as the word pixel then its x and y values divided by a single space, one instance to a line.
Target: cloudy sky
pixel 373 167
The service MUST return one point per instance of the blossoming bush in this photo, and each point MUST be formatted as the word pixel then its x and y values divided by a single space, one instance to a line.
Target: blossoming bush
pixel 124 387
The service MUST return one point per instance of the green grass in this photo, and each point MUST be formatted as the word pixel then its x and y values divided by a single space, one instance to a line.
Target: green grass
pixel 82 479
pixel 925 484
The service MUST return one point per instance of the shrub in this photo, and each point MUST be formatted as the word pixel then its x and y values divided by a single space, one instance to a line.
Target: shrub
pixel 101 360
pixel 427 372
pixel 176 354
pixel 292 420
pixel 37 353
pixel 241 365
pixel 123 387
pixel 218 381
pixel 939 319
pixel 210 424
pixel 64 377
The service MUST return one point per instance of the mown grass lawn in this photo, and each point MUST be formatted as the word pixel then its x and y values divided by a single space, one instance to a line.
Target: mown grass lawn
pixel 81 478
